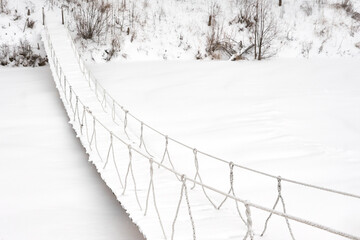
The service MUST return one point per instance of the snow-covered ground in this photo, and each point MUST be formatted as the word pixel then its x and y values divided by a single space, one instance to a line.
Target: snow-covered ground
pixel 172 30
pixel 296 118
pixel 48 189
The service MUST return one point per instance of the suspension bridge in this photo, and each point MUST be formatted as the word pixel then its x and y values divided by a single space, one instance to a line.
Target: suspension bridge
pixel 165 200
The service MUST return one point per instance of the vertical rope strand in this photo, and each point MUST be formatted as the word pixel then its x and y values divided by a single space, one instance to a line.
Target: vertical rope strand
pixel 130 169
pixel 279 197
pixel 94 138
pixel 197 175
pixel 183 190
pixel 232 191
pixel 151 187
pixel 249 223
pixel 142 141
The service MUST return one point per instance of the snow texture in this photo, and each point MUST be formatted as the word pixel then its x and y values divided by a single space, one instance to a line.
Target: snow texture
pixel 268 138
pixel 48 190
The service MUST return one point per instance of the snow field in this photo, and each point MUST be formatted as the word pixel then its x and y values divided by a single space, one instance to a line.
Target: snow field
pixel 210 228
pixel 279 124
pixel 48 190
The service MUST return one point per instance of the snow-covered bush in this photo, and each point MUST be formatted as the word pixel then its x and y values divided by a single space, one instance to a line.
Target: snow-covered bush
pixel 21 54
pixel 307 8
pixel 4 6
pixel 115 47
pixel 92 18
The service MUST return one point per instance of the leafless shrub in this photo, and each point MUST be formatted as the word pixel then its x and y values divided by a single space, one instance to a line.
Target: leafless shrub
pixel 92 18
pixel 306 47
pixel 218 44
pixel 20 54
pixel 306 8
pixel 30 23
pixel 4 54
pixel 213 39
pixel 115 47
pixel 16 15
pixel 245 12
pixel 4 7
pixel 347 5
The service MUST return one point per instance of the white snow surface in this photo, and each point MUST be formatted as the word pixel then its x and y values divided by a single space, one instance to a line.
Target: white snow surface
pixel 279 117
pixel 294 118
pixel 48 189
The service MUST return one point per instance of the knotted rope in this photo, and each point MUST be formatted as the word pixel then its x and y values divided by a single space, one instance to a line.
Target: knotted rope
pixel 111 148
pixel 231 191
pixel 249 232
pixel 284 209
pixel 151 187
pixel 76 112
pixel 197 175
pixel 130 168
pixel 86 109
pixel 142 141
pixel 83 120
pixel 70 99
pixel 183 189
pixel 113 112
pixel 166 153
pixel 65 90
pixel 96 90
pixel 126 122
pixel 103 102
pixel 94 138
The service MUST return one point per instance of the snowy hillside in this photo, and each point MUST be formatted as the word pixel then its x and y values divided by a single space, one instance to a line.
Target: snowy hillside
pixel 203 29
pixel 189 29
pixel 20 27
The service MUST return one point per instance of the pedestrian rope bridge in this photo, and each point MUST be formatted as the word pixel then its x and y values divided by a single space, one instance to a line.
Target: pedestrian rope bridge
pixel 87 124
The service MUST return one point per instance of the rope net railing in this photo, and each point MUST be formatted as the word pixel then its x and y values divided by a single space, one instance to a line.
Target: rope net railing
pixel 80 113
pixel 107 101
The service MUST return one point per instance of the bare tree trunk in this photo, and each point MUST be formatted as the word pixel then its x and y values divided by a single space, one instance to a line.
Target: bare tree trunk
pixel 256 27
pixel 280 3
pixel 1 4
pixel 260 46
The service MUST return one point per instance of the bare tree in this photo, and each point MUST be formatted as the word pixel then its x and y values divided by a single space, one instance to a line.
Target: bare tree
pixel 265 30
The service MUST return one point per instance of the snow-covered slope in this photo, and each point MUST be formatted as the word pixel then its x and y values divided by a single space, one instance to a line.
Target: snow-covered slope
pixel 294 118
pixel 157 30
pixel 48 190
pixel 20 27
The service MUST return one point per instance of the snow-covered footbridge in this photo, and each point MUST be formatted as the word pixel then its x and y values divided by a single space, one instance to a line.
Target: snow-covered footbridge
pixel 199 197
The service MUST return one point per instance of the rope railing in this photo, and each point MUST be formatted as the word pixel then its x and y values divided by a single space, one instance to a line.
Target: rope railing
pixel 110 101
pixel 82 122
